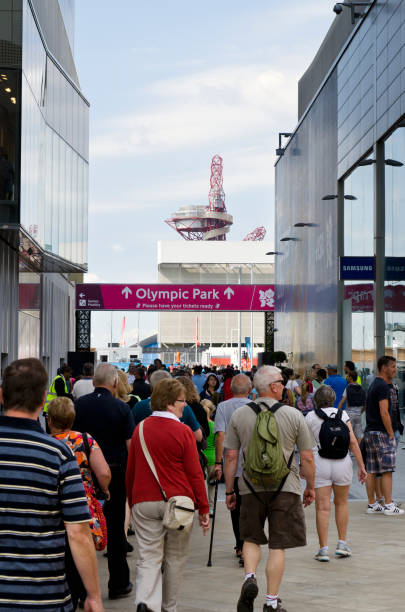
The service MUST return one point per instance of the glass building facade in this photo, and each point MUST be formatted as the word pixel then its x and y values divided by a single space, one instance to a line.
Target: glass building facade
pixel 340 191
pixel 43 177
pixel 43 147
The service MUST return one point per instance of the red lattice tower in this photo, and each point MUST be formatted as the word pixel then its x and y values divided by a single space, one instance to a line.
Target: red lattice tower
pixel 257 234
pixel 210 223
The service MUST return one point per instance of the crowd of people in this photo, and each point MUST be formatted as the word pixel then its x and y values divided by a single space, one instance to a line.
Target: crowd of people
pixel 86 462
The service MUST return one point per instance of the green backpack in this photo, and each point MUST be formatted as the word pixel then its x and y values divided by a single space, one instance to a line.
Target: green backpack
pixel 265 464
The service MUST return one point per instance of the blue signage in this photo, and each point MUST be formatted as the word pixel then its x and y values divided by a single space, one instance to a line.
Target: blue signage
pixel 248 347
pixel 357 268
pixel 395 268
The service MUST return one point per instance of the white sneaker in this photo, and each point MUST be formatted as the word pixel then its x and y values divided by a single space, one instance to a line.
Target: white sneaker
pixel 322 555
pixel 342 550
pixel 375 509
pixel 395 511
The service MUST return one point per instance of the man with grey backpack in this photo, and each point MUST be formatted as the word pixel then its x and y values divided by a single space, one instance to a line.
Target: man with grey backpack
pixel 267 431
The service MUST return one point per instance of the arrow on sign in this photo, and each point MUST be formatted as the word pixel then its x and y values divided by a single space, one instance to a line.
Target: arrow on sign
pixel 126 291
pixel 229 293
pixel 81 295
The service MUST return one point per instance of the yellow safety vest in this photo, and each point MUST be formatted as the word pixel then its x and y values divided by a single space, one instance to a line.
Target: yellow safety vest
pixel 52 392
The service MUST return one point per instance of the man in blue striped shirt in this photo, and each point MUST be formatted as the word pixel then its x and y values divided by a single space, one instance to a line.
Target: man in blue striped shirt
pixel 41 500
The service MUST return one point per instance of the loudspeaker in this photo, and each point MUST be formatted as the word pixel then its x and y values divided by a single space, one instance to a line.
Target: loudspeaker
pixel 76 360
pixel 264 359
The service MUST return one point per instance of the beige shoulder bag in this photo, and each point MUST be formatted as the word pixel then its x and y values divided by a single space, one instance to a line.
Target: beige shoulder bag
pixel 179 510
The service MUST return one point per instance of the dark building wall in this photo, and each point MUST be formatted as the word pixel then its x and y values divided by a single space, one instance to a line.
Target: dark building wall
pixel 8 304
pixel 10 33
pixel 306 271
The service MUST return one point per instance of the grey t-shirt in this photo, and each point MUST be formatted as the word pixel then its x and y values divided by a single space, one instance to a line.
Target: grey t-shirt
pixel 293 430
pixel 223 416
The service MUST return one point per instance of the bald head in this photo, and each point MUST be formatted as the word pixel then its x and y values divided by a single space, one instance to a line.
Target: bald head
pixel 241 385
pixel 157 376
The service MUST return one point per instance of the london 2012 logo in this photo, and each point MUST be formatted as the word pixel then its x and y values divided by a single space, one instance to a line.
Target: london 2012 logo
pixel 266 298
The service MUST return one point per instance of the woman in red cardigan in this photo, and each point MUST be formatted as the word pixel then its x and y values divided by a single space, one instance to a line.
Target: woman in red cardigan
pixel 174 453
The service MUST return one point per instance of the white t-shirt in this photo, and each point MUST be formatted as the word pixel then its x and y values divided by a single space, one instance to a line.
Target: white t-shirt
pixel 315 423
pixel 292 385
pixel 84 386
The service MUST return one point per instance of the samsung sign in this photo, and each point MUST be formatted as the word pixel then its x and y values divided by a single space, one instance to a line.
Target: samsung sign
pixel 395 268
pixel 363 268
pixel 357 268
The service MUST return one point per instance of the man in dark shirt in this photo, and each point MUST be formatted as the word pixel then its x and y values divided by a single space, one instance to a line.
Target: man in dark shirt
pixel 140 387
pixel 379 438
pixel 396 414
pixel 110 422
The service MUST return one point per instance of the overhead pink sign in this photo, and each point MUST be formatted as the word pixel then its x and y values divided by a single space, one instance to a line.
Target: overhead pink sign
pixel 175 297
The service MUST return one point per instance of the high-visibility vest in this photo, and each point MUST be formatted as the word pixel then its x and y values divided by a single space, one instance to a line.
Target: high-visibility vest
pixel 52 392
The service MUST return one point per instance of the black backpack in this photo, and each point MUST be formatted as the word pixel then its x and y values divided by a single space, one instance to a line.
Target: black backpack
pixel 355 395
pixel 334 435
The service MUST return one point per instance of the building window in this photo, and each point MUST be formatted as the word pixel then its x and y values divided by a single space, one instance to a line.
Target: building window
pixel 394 298
pixel 358 310
pixel 9 114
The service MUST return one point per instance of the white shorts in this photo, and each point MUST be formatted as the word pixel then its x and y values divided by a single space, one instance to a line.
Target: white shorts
pixel 333 471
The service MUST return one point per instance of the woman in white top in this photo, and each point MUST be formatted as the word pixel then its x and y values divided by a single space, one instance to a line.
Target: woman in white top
pixel 332 474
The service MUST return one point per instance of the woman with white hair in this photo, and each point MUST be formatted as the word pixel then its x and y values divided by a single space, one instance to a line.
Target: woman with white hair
pixel 161 441
pixel 332 475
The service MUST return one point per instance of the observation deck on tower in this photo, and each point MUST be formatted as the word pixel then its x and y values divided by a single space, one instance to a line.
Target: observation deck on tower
pixel 210 222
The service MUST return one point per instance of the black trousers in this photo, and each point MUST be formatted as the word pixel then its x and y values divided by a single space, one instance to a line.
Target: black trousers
pixel 114 512
pixel 235 516
pixel 74 581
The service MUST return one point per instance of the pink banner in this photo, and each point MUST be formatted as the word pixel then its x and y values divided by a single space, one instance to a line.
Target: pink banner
pixel 362 296
pixel 175 297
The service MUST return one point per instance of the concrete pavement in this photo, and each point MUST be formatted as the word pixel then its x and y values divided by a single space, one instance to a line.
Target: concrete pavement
pixel 372 580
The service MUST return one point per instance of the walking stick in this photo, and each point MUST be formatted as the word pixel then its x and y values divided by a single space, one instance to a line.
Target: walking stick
pixel 209 564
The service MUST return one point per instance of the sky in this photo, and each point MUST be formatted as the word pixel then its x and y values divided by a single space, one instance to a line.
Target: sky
pixel 172 83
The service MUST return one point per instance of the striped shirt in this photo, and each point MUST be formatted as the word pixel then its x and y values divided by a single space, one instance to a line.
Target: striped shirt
pixel 40 490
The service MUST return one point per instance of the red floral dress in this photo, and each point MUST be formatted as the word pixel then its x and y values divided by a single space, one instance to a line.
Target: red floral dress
pixel 74 440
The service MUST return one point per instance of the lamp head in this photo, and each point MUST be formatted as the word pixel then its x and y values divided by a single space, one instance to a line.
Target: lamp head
pixel 394 162
pixel 338 8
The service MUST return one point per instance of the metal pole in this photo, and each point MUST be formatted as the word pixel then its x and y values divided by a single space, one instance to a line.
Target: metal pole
pixel 379 248
pixel 209 564
pixel 340 284
pixel 196 339
pixel 239 325
pixel 251 322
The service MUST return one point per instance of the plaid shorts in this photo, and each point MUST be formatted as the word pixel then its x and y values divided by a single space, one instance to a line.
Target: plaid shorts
pixel 380 452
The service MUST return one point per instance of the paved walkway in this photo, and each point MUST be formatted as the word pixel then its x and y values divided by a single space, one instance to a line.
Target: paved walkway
pixel 372 580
